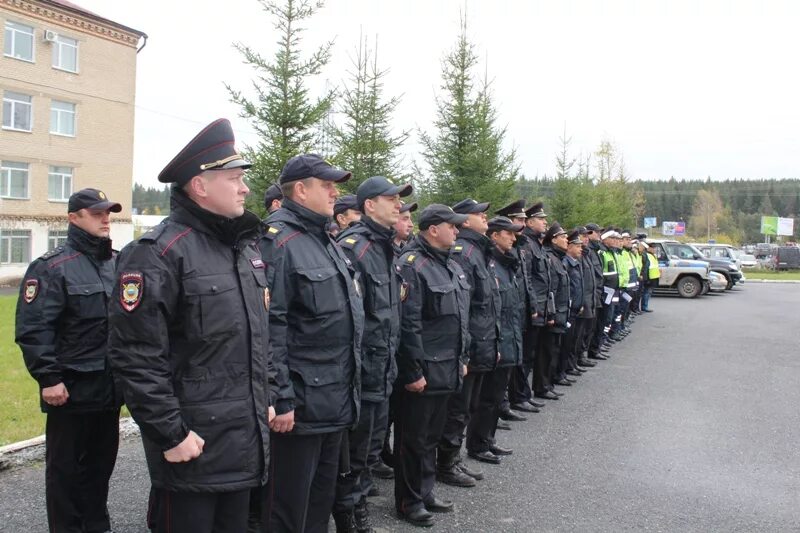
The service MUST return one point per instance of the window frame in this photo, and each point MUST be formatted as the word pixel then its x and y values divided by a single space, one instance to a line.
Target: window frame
pixel 14 104
pixel 59 239
pixel 54 170
pixel 4 177
pixel 57 44
pixel 59 113
pixel 13 41
pixel 9 239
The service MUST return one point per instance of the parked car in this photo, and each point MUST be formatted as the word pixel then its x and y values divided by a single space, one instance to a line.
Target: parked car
pixel 728 269
pixel 717 282
pixel 686 276
pixel 787 257
pixel 717 251
pixel 747 261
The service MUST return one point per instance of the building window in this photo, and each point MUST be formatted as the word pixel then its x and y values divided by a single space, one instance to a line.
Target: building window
pixel 56 238
pixel 62 118
pixel 65 54
pixel 15 246
pixel 18 41
pixel 14 180
pixel 59 184
pixel 17 111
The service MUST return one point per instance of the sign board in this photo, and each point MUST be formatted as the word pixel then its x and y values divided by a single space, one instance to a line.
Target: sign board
pixel 650 222
pixel 673 228
pixel 769 225
pixel 786 226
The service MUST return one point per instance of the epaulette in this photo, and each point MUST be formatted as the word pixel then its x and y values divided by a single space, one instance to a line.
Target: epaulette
pixel 457 249
pixel 52 253
pixel 348 242
pixel 272 230
pixel 154 233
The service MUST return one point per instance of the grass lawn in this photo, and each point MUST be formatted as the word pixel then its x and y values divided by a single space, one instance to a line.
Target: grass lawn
pixel 771 274
pixel 20 416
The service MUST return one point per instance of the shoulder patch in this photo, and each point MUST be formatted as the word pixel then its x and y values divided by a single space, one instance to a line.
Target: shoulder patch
pixel 131 290
pixel 52 253
pixel 31 290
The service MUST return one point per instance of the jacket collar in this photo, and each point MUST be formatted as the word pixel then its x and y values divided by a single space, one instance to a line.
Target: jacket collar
pixel 228 230
pixel 96 247
pixel 420 243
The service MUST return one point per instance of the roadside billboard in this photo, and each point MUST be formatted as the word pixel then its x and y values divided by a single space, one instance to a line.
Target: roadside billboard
pixel 676 229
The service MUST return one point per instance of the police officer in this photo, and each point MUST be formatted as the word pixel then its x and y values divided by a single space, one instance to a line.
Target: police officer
pixel 431 359
pixel 346 211
pixel 404 227
pixel 368 245
pixel 650 274
pixel 273 198
pixel 613 281
pixel 593 294
pixel 506 273
pixel 61 327
pixel 471 252
pixel 189 342
pixel 555 245
pixel 568 357
pixel 316 318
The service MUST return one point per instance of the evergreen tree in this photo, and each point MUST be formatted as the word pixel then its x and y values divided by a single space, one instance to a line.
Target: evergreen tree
pixel 283 112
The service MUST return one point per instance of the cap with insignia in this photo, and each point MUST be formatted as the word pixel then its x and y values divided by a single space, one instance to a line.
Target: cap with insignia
pixel 93 199
pixel 469 206
pixel 272 193
pixel 513 210
pixel 305 166
pixel 591 226
pixel 380 186
pixel 409 208
pixel 343 203
pixel 574 237
pixel 503 223
pixel 554 231
pixel 436 214
pixel 211 149
pixel 536 211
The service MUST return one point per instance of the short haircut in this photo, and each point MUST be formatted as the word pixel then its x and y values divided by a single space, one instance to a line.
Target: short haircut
pixel 287 189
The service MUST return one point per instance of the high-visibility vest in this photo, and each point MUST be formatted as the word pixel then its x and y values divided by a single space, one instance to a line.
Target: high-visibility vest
pixel 624 268
pixel 637 261
pixel 653 272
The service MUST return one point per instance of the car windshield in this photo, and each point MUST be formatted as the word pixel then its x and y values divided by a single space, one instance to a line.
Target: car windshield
pixel 682 251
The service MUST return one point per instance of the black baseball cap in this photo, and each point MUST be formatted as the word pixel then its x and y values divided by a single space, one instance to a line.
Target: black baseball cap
pixel 380 186
pixel 438 213
pixel 343 203
pixel 409 208
pixel 469 206
pixel 305 166
pixel 93 199
pixel 272 193
pixel 500 223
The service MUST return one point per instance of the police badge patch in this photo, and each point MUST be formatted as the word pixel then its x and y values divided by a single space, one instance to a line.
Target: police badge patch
pixel 131 290
pixel 31 290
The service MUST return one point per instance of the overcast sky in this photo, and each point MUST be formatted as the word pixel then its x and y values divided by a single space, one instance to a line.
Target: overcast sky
pixel 684 88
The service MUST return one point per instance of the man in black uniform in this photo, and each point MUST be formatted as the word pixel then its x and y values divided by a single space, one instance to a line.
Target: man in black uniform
pixel 555 246
pixel 431 360
pixel 189 342
pixel 592 268
pixel 404 227
pixel 316 319
pixel 471 252
pixel 568 357
pixel 61 327
pixel 368 245
pixel 346 211
pixel 273 198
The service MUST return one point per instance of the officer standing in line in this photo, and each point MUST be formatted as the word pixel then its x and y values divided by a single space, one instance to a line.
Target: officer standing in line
pixel 368 245
pixel 61 328
pixel 614 281
pixel 650 275
pixel 599 343
pixel 189 342
pixel 404 228
pixel 627 289
pixel 555 244
pixel 316 319
pixel 568 357
pixel 504 268
pixel 431 359
pixel 273 198
pixel 345 211
pixel 471 252
pixel 593 293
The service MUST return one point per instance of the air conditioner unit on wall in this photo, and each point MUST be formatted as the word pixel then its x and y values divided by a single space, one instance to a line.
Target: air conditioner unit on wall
pixel 50 36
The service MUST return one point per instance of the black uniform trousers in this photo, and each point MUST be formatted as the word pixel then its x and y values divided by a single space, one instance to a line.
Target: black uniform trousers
pixel 587 334
pixel 350 488
pixel 546 352
pixel 600 335
pixel 198 512
pixel 460 407
pixel 80 453
pixel 570 340
pixel 302 482
pixel 418 426
pixel 482 427
pixel 379 436
pixel 519 387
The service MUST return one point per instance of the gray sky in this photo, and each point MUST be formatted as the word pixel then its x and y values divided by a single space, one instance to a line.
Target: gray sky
pixel 684 88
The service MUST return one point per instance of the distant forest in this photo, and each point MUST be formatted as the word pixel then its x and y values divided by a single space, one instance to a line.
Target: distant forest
pixel 150 200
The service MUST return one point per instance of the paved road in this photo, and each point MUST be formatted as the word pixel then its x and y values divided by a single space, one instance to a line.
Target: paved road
pixel 693 425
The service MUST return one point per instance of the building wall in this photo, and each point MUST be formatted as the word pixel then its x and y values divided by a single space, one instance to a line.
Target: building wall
pixel 103 91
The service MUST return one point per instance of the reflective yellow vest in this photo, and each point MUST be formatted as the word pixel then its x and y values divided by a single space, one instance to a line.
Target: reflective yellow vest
pixel 653 272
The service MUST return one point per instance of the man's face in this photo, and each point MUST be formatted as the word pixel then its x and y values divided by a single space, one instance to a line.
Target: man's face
pixel 385 210
pixel 347 217
pixel 585 239
pixel 225 191
pixel 574 250
pixel 593 235
pixel 477 222
pixel 537 224
pixel 504 240
pixel 404 226
pixel 95 223
pixel 519 220
pixel 275 205
pixel 443 235
pixel 560 242
pixel 317 195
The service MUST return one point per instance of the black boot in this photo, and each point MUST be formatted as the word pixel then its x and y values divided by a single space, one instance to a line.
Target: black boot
pixel 448 473
pixel 361 517
pixel 344 522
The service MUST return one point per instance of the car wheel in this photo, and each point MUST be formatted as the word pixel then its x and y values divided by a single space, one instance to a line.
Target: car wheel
pixel 689 287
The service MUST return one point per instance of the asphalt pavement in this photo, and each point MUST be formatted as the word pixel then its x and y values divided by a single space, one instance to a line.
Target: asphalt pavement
pixel 692 425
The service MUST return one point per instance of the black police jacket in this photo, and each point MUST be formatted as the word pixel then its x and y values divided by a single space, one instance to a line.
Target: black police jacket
pixel 559 290
pixel 62 325
pixel 592 254
pixel 589 285
pixel 189 343
pixel 316 320
pixel 369 246
pixel 540 276
pixel 434 332
pixel 471 252
pixel 508 275
pixel 575 275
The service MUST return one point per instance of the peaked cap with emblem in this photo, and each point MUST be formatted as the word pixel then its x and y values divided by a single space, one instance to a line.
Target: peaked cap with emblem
pixel 469 206
pixel 554 231
pixel 512 210
pixel 536 211
pixel 211 149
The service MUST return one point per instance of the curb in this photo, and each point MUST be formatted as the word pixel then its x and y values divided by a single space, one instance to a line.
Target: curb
pixel 789 281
